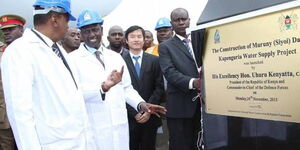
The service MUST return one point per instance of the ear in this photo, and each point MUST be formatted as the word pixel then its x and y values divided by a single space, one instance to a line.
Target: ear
pixel 101 30
pixel 54 20
pixel 22 29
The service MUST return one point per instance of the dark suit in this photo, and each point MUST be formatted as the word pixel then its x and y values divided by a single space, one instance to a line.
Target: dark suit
pixel 183 114
pixel 150 87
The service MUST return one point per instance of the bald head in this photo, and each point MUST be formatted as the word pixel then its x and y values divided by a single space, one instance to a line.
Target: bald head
pixel 115 28
pixel 115 38
pixel 180 21
pixel 71 41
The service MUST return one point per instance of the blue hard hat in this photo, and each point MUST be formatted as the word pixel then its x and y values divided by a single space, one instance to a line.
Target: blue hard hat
pixel 88 17
pixel 54 5
pixel 163 22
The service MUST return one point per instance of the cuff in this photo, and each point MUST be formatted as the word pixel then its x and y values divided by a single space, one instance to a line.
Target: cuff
pixel 102 93
pixel 191 84
pixel 139 107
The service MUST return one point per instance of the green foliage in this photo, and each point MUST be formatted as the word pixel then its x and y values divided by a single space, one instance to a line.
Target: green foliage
pixel 1 36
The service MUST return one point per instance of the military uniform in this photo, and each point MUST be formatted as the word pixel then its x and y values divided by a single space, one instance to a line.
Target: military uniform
pixel 7 141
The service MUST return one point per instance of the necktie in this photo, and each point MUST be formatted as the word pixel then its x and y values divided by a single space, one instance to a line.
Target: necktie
pixel 137 65
pixel 186 43
pixel 56 50
pixel 98 56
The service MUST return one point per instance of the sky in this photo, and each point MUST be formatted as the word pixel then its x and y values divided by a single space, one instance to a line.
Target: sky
pixel 124 13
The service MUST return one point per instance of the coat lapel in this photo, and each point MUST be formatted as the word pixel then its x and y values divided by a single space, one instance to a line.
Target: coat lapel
pixel 143 65
pixel 87 55
pixel 131 67
pixel 183 48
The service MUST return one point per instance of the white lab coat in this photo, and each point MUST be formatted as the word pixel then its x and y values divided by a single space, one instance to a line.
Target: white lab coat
pixel 109 117
pixel 45 109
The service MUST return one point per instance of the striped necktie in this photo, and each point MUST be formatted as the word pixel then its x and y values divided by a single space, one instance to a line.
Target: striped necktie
pixel 56 50
pixel 98 56
pixel 186 44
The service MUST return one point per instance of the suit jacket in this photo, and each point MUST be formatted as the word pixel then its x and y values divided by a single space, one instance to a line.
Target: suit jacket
pixel 178 67
pixel 149 85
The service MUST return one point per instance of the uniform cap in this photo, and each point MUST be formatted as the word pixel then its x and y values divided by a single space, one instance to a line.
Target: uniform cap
pixel 88 17
pixel 8 21
pixel 60 6
pixel 163 22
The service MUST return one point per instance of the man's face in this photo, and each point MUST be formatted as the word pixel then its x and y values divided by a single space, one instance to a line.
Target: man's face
pixel 180 21
pixel 148 39
pixel 116 37
pixel 92 35
pixel 12 33
pixel 164 34
pixel 61 26
pixel 72 39
pixel 135 40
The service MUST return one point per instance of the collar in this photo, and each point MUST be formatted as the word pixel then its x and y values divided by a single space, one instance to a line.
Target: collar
pixel 183 38
pixel 45 38
pixel 93 50
pixel 140 54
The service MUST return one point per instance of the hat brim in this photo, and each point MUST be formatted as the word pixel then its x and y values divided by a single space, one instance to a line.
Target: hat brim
pixel 8 26
pixel 72 18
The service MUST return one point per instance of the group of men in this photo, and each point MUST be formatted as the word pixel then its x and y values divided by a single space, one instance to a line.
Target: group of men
pixel 84 96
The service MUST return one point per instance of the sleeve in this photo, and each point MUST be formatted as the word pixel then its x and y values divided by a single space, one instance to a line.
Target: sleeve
pixel 17 77
pixel 131 111
pixel 132 97
pixel 158 91
pixel 171 73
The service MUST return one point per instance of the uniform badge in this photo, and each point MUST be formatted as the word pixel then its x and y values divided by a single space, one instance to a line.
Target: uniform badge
pixel 4 19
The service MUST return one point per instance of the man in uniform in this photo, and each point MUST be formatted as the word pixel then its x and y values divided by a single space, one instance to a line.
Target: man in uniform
pixel 12 28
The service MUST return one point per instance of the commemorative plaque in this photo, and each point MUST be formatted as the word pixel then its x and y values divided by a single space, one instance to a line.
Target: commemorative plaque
pixel 252 67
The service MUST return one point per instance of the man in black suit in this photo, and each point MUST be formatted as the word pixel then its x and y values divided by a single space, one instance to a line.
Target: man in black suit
pixel 181 66
pixel 146 78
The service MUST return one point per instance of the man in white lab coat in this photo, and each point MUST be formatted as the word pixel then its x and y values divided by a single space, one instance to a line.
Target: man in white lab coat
pixel 44 103
pixel 106 108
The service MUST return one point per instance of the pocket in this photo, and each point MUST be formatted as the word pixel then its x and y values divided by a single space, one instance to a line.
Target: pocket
pixel 50 132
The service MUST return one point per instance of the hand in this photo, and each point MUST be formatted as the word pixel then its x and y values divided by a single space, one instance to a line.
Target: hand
pixel 196 84
pixel 138 117
pixel 153 109
pixel 142 118
pixel 114 78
